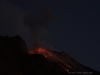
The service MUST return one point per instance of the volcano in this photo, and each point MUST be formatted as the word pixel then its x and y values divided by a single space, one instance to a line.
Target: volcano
pixel 63 60
pixel 15 59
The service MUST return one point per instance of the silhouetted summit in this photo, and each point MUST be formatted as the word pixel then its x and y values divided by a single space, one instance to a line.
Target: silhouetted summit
pixel 16 60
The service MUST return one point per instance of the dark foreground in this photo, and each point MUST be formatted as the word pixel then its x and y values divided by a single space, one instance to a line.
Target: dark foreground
pixel 15 60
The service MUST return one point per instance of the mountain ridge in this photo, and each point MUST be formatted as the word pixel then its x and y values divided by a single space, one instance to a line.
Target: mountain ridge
pixel 16 59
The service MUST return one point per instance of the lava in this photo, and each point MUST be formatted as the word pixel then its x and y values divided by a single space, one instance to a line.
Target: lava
pixel 50 55
pixel 42 51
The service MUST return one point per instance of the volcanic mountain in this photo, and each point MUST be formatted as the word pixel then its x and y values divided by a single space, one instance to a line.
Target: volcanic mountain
pixel 64 61
pixel 15 59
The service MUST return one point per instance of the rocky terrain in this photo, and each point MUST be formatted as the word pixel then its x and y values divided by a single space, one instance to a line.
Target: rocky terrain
pixel 16 59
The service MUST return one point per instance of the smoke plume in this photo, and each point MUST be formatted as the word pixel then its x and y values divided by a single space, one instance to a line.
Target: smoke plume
pixel 38 24
pixel 31 27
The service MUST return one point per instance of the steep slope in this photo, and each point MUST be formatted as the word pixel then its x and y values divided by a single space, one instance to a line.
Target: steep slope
pixel 68 64
pixel 39 65
pixel 15 59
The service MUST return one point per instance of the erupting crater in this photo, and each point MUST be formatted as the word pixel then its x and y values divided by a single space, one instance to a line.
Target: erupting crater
pixel 42 51
pixel 67 63
pixel 55 56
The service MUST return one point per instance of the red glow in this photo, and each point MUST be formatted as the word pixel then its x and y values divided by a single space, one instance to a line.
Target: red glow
pixel 50 55
pixel 40 50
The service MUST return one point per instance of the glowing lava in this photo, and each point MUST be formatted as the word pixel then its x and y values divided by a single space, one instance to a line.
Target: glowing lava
pixel 40 50
pixel 51 56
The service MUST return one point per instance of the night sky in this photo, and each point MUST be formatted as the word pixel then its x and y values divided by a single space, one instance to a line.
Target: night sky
pixel 74 30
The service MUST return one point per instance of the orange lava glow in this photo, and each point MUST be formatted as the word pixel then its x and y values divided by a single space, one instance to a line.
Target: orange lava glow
pixel 40 50
pixel 50 55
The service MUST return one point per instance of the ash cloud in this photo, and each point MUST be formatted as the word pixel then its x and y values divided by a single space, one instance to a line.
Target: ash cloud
pixel 31 27
pixel 38 24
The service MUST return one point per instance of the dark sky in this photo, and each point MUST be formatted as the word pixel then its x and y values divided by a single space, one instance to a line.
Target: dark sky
pixel 75 30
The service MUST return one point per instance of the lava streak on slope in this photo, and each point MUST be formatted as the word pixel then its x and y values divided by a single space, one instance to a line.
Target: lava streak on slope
pixel 60 58
pixel 51 56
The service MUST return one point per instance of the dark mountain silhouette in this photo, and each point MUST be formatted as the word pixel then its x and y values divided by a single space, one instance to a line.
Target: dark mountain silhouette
pixel 15 59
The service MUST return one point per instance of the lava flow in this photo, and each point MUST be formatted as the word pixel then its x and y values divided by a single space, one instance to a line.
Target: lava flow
pixel 51 56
